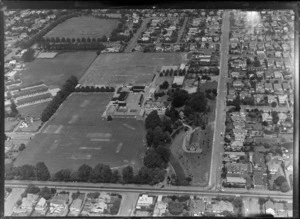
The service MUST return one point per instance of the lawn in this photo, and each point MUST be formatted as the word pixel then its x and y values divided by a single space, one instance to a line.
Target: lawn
pixel 34 110
pixel 54 72
pixel 77 134
pixel 10 124
pixel 196 165
pixel 78 27
pixel 128 68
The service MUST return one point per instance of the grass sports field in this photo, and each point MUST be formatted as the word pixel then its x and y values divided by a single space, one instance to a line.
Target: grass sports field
pixel 128 68
pixel 78 27
pixel 34 110
pixel 54 72
pixel 77 134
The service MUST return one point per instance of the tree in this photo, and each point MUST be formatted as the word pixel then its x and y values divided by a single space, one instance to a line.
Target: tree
pixel 100 174
pixel 152 159
pixel 32 189
pixel 152 120
pixel 164 153
pixel 285 187
pixel 8 189
pixel 62 175
pixel 115 177
pixel 46 193
pixel 158 136
pixel 164 85
pixel 22 147
pixel 19 202
pixel 179 98
pixel 172 113
pixel 175 208
pixel 26 172
pixel 265 123
pixel 42 172
pixel 198 102
pixel 274 104
pixel 275 117
pixel 127 174
pixel 149 137
pixel 75 195
pixel 98 52
pixel 109 118
pixel 83 173
pixel 13 108
pixel 166 125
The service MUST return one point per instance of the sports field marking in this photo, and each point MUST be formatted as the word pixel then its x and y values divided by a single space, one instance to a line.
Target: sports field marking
pixel 74 119
pixel 98 135
pixel 84 103
pixel 90 148
pixel 128 126
pixel 46 130
pixel 119 147
pixel 58 129
pixel 53 146
pixel 100 139
pixel 76 157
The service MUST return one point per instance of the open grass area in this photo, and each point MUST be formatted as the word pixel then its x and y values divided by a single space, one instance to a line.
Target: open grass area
pixel 10 124
pixel 54 72
pixel 128 68
pixel 77 134
pixel 34 110
pixel 78 27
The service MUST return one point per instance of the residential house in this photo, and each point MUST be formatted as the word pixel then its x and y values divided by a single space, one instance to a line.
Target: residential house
pixel 271 99
pixel 269 75
pixel 282 117
pixel 278 88
pixel 29 202
pixel 259 161
pixel 235 74
pixel 198 207
pixel 58 204
pixel 238 84
pixel 239 124
pixel 221 206
pixel 285 86
pixel 260 88
pixel 267 117
pixel 282 98
pixel 238 168
pixel 238 180
pixel 278 75
pixel 269 87
pixel 41 205
pixel 258 98
pixel 237 144
pixel 76 206
pixel 144 200
pixel 270 208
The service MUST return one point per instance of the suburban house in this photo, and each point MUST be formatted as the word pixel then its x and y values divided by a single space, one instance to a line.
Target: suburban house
pixel 270 208
pixel 144 200
pixel 41 205
pixel 150 106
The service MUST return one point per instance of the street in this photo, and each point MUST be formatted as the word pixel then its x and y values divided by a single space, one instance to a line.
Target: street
pixel 219 125
pixel 132 42
pixel 128 204
pixel 11 200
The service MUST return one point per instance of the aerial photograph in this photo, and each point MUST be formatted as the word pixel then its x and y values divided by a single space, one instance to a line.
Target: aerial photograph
pixel 149 112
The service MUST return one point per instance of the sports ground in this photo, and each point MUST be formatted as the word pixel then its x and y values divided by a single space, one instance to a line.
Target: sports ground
pixel 54 72
pixel 78 27
pixel 77 134
pixel 128 68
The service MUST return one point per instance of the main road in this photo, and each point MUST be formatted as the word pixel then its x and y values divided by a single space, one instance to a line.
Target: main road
pixel 219 125
pixel 74 186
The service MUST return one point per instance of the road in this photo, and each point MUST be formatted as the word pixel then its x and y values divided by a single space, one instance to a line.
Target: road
pixel 182 30
pixel 109 187
pixel 132 42
pixel 219 124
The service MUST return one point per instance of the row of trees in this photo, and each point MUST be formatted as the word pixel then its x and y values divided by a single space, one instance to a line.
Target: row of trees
pixel 73 40
pixel 171 72
pixel 24 44
pixel 28 172
pixel 99 174
pixel 13 110
pixel 72 46
pixel 94 89
pixel 67 88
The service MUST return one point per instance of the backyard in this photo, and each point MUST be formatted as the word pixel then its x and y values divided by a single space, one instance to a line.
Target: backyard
pixel 77 134
pixel 130 68
pixel 79 27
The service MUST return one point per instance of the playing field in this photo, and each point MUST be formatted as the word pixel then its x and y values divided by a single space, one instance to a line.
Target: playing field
pixel 34 110
pixel 78 27
pixel 54 72
pixel 77 134
pixel 128 68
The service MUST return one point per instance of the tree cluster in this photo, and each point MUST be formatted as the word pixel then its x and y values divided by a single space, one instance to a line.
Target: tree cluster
pixel 28 172
pixel 28 56
pixel 72 45
pixel 67 88
pixel 94 89
pixel 158 138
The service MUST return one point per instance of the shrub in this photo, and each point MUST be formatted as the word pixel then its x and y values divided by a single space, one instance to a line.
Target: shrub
pixel 175 208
